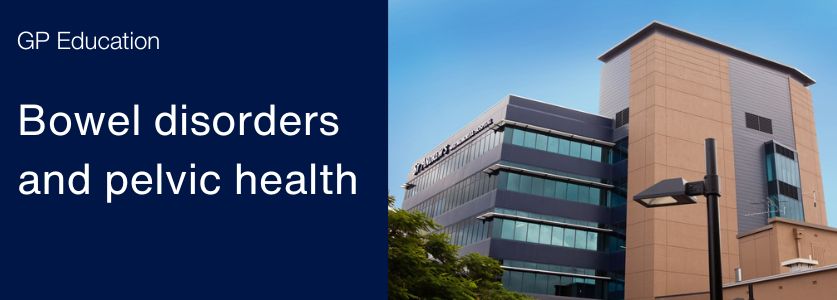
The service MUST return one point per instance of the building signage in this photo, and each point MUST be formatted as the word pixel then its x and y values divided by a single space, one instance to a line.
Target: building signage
pixel 430 160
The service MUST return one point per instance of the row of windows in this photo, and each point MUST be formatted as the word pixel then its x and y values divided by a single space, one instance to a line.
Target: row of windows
pixel 552 171
pixel 551 188
pixel 782 182
pixel 481 183
pixel 548 267
pixel 455 160
pixel 456 195
pixel 559 285
pixel 536 283
pixel 544 234
pixel 559 145
pixel 467 232
pixel 545 217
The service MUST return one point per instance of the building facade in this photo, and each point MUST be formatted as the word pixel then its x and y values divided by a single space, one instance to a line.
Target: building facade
pixel 681 88
pixel 542 188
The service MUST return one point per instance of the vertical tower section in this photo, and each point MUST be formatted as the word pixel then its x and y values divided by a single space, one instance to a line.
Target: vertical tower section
pixel 683 89
pixel 813 197
pixel 761 113
pixel 615 85
pixel 679 95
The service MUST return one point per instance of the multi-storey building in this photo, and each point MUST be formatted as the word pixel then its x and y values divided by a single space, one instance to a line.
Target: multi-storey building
pixel 543 188
pixel 537 186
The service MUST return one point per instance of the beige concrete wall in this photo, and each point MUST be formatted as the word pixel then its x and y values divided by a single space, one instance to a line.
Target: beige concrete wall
pixel 759 254
pixel 816 285
pixel 694 296
pixel 813 198
pixel 819 285
pixel 763 251
pixel 679 95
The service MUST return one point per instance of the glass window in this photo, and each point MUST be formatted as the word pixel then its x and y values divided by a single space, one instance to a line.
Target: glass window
pixel 496 228
pixel 519 231
pixel 470 234
pixel 514 182
pixel 516 280
pixel 554 280
pixel 517 136
pixel 552 144
pixel 597 153
pixel 525 184
pixel 541 283
pixel 537 186
pixel 549 188
pixel 586 151
pixel 557 236
pixel 546 235
pixel 575 149
pixel 506 279
pixel 503 178
pixel 540 142
pixel 581 239
pixel 561 190
pixel 534 233
pixel 529 282
pixel 508 230
pixel 569 237
pixel 583 194
pixel 595 196
pixel 563 147
pixel 478 232
pixel 469 190
pixel 529 139
pixel 508 133
pixel 592 241
pixel 572 192
pixel 484 231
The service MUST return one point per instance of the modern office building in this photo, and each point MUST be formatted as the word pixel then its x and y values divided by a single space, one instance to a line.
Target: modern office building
pixel 537 186
pixel 542 188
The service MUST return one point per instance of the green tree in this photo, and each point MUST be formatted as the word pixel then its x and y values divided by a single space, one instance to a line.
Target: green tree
pixel 424 265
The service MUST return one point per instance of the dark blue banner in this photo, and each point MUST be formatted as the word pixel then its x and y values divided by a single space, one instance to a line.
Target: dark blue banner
pixel 193 151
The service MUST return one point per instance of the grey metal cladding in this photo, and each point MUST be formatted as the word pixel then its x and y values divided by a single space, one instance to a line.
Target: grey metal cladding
pixel 560 118
pixel 615 85
pixel 764 92
pixel 517 250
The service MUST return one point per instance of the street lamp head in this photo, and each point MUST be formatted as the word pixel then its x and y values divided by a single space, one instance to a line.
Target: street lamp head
pixel 668 192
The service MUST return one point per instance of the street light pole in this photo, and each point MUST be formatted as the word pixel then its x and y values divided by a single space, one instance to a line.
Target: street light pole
pixel 712 193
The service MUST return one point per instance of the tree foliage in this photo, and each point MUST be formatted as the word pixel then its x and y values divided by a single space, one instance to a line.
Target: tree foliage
pixel 424 265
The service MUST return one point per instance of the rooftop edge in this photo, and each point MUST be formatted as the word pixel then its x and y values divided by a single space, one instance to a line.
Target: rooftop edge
pixel 657 26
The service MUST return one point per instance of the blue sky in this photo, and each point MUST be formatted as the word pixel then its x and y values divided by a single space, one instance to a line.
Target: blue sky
pixel 451 60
